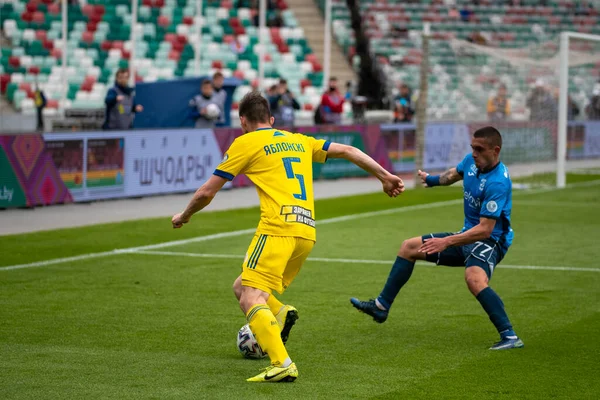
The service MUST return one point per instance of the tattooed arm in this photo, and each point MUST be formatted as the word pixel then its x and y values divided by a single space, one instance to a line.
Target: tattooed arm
pixel 447 178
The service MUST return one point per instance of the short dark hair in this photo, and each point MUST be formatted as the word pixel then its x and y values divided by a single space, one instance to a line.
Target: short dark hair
pixel 121 71
pixel 333 78
pixel 206 82
pixel 255 108
pixel 490 134
pixel 282 81
pixel 218 74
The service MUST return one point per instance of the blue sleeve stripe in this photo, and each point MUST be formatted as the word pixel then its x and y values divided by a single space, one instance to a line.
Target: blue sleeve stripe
pixel 223 174
pixel 326 145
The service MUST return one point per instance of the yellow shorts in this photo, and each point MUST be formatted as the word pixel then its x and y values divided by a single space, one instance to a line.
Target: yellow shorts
pixel 272 262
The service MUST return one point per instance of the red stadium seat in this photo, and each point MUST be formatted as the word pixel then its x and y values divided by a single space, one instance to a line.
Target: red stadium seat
pixel 48 44
pixel 188 20
pixel 4 81
pixel 54 8
pixel 304 83
pixel 87 37
pixel 34 70
pixel 40 35
pixel 106 45
pixel 178 46
pixel 170 37
pixel 235 106
pixel 31 7
pixel 217 64
pixel 238 74
pixel 174 55
pixel 52 103
pixel 308 107
pixel 92 26
pixel 27 16
pixel 39 17
pixel 14 61
pixel 88 10
pixel 25 86
pixel 164 21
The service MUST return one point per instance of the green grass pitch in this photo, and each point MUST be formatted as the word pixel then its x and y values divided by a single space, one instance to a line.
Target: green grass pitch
pixel 163 326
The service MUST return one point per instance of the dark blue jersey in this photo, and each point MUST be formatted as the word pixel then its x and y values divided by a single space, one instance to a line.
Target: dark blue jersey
pixel 487 195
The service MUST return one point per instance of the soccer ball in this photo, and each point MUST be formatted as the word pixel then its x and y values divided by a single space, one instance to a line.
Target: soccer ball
pixel 213 111
pixel 247 344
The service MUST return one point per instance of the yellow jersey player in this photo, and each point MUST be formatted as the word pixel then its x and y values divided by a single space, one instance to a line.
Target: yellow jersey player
pixel 280 165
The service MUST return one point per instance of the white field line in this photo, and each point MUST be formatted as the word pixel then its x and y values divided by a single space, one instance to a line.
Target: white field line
pixel 223 235
pixel 248 231
pixel 357 261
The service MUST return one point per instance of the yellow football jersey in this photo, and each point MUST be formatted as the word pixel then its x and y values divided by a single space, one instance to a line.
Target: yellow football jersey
pixel 279 163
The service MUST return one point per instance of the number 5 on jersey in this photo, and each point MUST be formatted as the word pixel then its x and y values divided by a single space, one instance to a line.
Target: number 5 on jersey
pixel 289 171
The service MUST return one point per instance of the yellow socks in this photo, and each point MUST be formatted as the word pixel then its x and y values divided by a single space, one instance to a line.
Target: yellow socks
pixel 266 331
pixel 274 305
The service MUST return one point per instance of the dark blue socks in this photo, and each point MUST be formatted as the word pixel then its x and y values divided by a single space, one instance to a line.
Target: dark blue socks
pixel 494 307
pixel 399 275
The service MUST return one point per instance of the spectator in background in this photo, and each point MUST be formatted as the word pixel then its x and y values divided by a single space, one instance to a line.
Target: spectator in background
pixel 349 94
pixel 120 103
pixel 40 104
pixel 237 47
pixel 453 14
pixel 283 104
pixel 403 106
pixel 466 14
pixel 199 106
pixel 593 109
pixel 332 104
pixel 542 104
pixel 219 94
pixel 498 106
pixel 276 21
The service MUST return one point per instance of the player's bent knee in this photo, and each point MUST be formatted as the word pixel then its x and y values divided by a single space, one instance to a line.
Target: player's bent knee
pixel 237 287
pixel 410 248
pixel 476 279
pixel 251 296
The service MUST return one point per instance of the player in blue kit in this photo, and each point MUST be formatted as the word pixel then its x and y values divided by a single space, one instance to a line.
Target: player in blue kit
pixel 479 246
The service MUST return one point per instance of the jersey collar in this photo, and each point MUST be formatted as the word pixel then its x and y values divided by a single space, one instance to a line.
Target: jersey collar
pixel 479 172
pixel 262 129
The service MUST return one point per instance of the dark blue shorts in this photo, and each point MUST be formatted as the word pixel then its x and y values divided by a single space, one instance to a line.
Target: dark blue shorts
pixel 485 254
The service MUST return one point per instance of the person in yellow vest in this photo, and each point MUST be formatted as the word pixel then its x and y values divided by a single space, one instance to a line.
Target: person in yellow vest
pixel 40 103
pixel 498 107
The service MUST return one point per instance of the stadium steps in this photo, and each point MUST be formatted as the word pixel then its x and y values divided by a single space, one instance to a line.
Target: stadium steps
pixel 307 12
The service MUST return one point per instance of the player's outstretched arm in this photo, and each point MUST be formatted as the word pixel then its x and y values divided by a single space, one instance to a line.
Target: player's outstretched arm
pixel 201 199
pixel 392 185
pixel 446 178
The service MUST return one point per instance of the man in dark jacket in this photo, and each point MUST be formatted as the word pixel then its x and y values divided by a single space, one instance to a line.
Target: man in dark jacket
pixel 120 103
pixel 219 94
pixel 283 104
